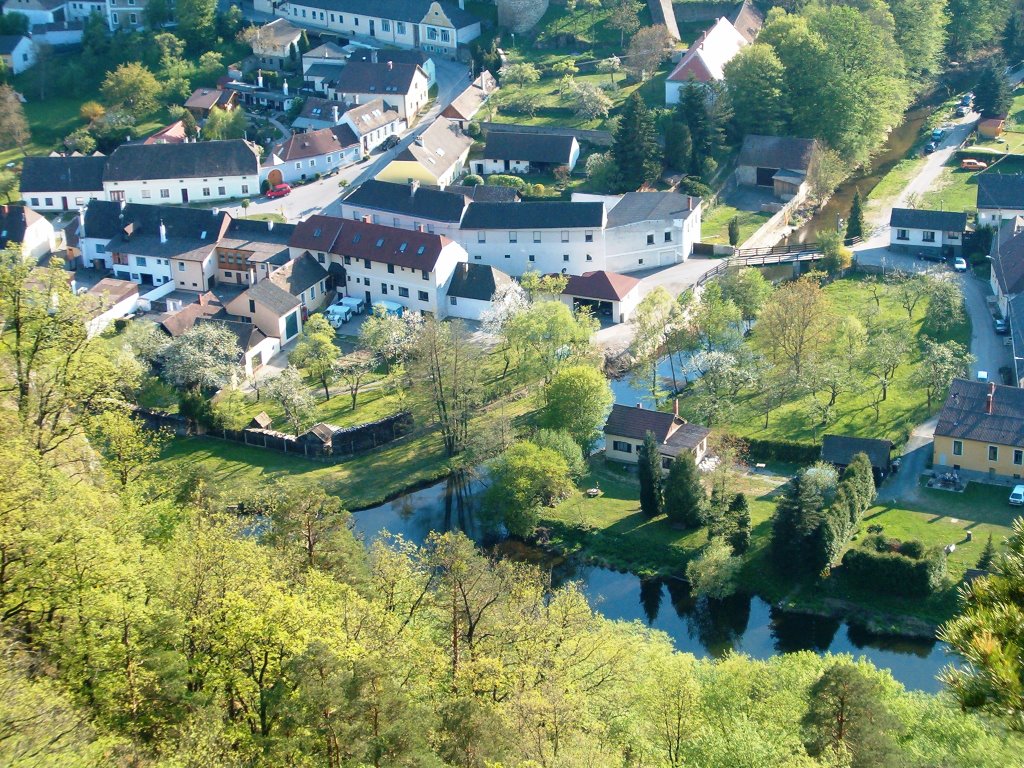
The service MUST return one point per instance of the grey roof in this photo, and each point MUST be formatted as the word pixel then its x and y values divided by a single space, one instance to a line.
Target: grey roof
pixel 686 437
pixel 370 116
pixel 381 78
pixel 63 174
pixel 840 450
pixel 326 52
pixel 438 148
pixel 747 20
pixel 299 274
pixel 777 152
pixel 1001 190
pixel 413 11
pixel 533 215
pixel 921 218
pixel 397 55
pixel 1008 260
pixel 9 42
pixel 433 204
pixel 635 207
pixel 247 334
pixel 533 147
pixel 191 232
pixel 134 162
pixel 486 193
pixel 963 416
pixel 14 220
pixel 476 281
pixel 635 423
pixel 468 103
pixel 322 69
pixel 272 296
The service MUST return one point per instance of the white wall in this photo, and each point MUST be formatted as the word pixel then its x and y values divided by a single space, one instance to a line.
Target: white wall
pixel 23 57
pixel 61 201
pixel 82 9
pixel 553 250
pixel 35 16
pixel 152 191
pixel 467 309
pixel 401 221
pixel 915 238
pixel 991 218
pixel 124 307
pixel 307 168
pixel 38 239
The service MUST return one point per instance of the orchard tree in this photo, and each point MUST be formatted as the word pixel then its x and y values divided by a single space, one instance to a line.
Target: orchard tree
pixel 941 362
pixel 945 305
pixel 14 130
pixel 519 74
pixel 653 319
pixel 590 101
pixel 126 444
pixel 625 17
pixel 562 443
pixel 649 473
pixel 206 357
pixel 647 49
pixel 577 400
pixel 289 391
pixel 317 352
pixel 747 288
pixel 793 325
pixel 131 88
pixel 610 67
pixel 354 371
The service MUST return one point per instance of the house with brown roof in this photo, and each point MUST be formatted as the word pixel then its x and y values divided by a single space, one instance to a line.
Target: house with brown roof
pixel 627 427
pixel 980 432
pixel 779 163
pixel 205 100
pixel 109 300
pixel 403 87
pixel 314 153
pixel 373 122
pixel 704 62
pixel 465 106
pixel 279 305
pixel 606 294
pixel 169 134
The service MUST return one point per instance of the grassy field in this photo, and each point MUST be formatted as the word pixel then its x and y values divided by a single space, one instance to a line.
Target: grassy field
pixel 892 184
pixel 714 227
pixel 957 190
pixel 905 406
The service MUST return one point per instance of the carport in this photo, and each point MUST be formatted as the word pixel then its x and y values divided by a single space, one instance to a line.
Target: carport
pixel 608 294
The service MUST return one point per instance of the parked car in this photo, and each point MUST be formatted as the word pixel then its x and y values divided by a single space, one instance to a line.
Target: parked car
pixel 966 100
pixel 1017 496
pixel 959 264
pixel 337 314
pixel 970 164
pixel 391 141
pixel 279 190
pixel 961 111
pixel 354 303
pixel 930 147
pixel 937 134
pixel 1001 326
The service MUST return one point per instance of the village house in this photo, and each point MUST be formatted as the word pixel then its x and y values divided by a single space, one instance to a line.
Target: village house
pixel 318 113
pixel 936 234
pixel 472 287
pixel 465 106
pixel 204 100
pixel 327 52
pixel 980 432
pixel 606 294
pixel 1000 197
pixel 17 52
pixel 705 60
pixel 402 86
pixel 407 206
pixel 515 152
pixel 425 24
pixel 23 226
pixel 384 263
pixel 1006 275
pixel 372 123
pixel 251 250
pixel 108 300
pixel 38 11
pixel 170 134
pixel 276 45
pixel 780 163
pixel 436 157
pixel 398 55
pixel 255 95
pixel 61 183
pixel 308 155
pixel 627 427
pixel 280 304
pixel 648 229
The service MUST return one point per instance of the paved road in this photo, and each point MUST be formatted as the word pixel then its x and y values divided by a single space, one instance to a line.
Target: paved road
pixel 990 350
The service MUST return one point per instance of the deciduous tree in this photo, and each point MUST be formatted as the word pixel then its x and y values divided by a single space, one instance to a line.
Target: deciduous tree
pixel 941 362
pixel 647 49
pixel 206 356
pixel 715 571
pixel 793 324
pixel 523 479
pixel 577 400
pixel 288 390
pixel 14 130
pixel 755 81
pixel 131 88
pixel 126 444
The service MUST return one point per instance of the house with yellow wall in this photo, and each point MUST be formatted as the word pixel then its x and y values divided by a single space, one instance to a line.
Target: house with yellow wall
pixel 980 432
pixel 435 158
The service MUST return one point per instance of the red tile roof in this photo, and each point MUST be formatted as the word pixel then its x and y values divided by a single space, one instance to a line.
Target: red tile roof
pixel 374 242
pixel 606 286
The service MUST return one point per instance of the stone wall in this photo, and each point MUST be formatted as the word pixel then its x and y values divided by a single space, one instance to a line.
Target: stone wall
pixel 520 15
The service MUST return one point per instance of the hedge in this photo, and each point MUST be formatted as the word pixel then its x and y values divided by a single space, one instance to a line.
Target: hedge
pixel 895 573
pixel 782 450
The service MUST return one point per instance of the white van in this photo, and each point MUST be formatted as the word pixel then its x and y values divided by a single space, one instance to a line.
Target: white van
pixel 337 314
pixel 1017 496
pixel 356 305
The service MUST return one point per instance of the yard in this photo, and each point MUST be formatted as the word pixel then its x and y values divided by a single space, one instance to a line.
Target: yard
pixel 957 190
pixel 714 227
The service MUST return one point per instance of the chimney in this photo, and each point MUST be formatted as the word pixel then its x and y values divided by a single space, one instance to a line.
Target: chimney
pixel 373 55
pixel 675 407
pixel 163 232
pixel 640 405
pixel 81 222
pixel 366 219
pixel 270 225
pixel 689 202
pixel 334 113
pixel 413 186
pixel 391 65
pixel 988 404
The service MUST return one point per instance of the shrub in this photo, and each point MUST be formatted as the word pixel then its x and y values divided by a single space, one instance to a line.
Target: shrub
pixel 782 450
pixel 912 549
pixel 473 130
pixel 506 180
pixel 472 180
pixel 880 569
pixel 194 407
pixel 265 186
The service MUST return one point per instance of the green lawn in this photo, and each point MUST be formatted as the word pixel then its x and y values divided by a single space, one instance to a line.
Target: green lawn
pixel 905 406
pixel 892 184
pixel 957 190
pixel 714 227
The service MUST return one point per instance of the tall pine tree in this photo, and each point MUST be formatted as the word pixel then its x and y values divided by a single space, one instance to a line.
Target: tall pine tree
pixel 855 225
pixel 684 492
pixel 988 555
pixel 635 148
pixel 705 134
pixel 649 472
pixel 739 511
pixel 678 147
pixel 992 96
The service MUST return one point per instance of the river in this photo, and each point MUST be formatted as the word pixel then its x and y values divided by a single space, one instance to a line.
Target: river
pixel 704 628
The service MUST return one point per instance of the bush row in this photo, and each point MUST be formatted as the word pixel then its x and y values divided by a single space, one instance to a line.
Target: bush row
pixel 782 450
pixel 896 573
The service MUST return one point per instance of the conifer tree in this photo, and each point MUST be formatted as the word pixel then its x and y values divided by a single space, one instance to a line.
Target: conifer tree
pixel 684 493
pixel 635 149
pixel 988 555
pixel 739 511
pixel 855 225
pixel 649 471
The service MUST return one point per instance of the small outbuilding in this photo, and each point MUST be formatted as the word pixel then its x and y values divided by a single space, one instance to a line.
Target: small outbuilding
pixel 780 163
pixel 607 294
pixel 839 450
pixel 260 421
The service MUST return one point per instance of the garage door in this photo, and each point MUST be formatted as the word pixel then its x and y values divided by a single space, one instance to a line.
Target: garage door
pixel 764 176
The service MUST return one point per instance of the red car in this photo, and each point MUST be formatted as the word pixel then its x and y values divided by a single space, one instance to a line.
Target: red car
pixel 279 190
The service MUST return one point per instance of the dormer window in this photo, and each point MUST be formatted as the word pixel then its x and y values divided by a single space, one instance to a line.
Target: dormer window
pixel 316 232
pixel 420 250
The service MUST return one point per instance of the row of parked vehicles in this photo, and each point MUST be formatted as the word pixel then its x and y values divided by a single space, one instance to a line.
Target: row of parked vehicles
pixel 345 308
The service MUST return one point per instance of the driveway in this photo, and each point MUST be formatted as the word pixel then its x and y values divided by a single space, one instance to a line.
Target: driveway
pixel 905 485
pixel 989 349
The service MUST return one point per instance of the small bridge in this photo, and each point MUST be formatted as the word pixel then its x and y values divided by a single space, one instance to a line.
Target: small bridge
pixel 766 257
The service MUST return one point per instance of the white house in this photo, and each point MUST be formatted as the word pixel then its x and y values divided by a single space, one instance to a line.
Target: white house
pixel 18 53
pixel 372 122
pixel 38 11
pixel 921 232
pixel 425 24
pixel 1000 197
pixel 1007 273
pixel 384 263
pixel 465 106
pixel 403 87
pixel 125 14
pixel 62 183
pixel 21 225
pixel 650 229
pixel 305 155
pixel 705 60
pixel 471 288
pixel 406 206
pixel 627 427
pixel 436 157
pixel 182 173
pixel 517 152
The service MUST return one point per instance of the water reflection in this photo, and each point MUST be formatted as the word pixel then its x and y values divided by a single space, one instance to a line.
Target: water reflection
pixel 703 627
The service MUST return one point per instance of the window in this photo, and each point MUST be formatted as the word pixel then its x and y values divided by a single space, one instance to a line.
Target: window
pixel 312 292
pixel 668 235
pixel 952 235
pixel 385 25
pixel 513 237
pixel 400 27
pixel 445 36
pixel 902 234
pixel 366 263
pixel 508 255
pixel 312 163
pixel 34 202
pixel 928 236
pixel 424 296
pixel 206 191
pixel 366 282
pixel 565 257
pixel 348 260
pixel 298 166
pixel 222 191
pixel 650 239
pixel 145 193
pixel 476 257
pixel 133 19
pixel 49 200
pixel 589 257
pixel 113 17
pixel 431 33
pixel 357 21
pixel 588 237
pixel 227 275
pixel 391 269
pixel 666 462
pixel 481 237
pixel 1018 456
pixel 403 292
pixel 140 261
pixel 426 275
pixel 565 235
pixel 536 237
pixel 958 448
pixel 165 193
pixel 622 447
pixel 101 248
pixel 181 266
pixel 532 258
pixel 993 453
pixel 245 189
pixel 452 300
